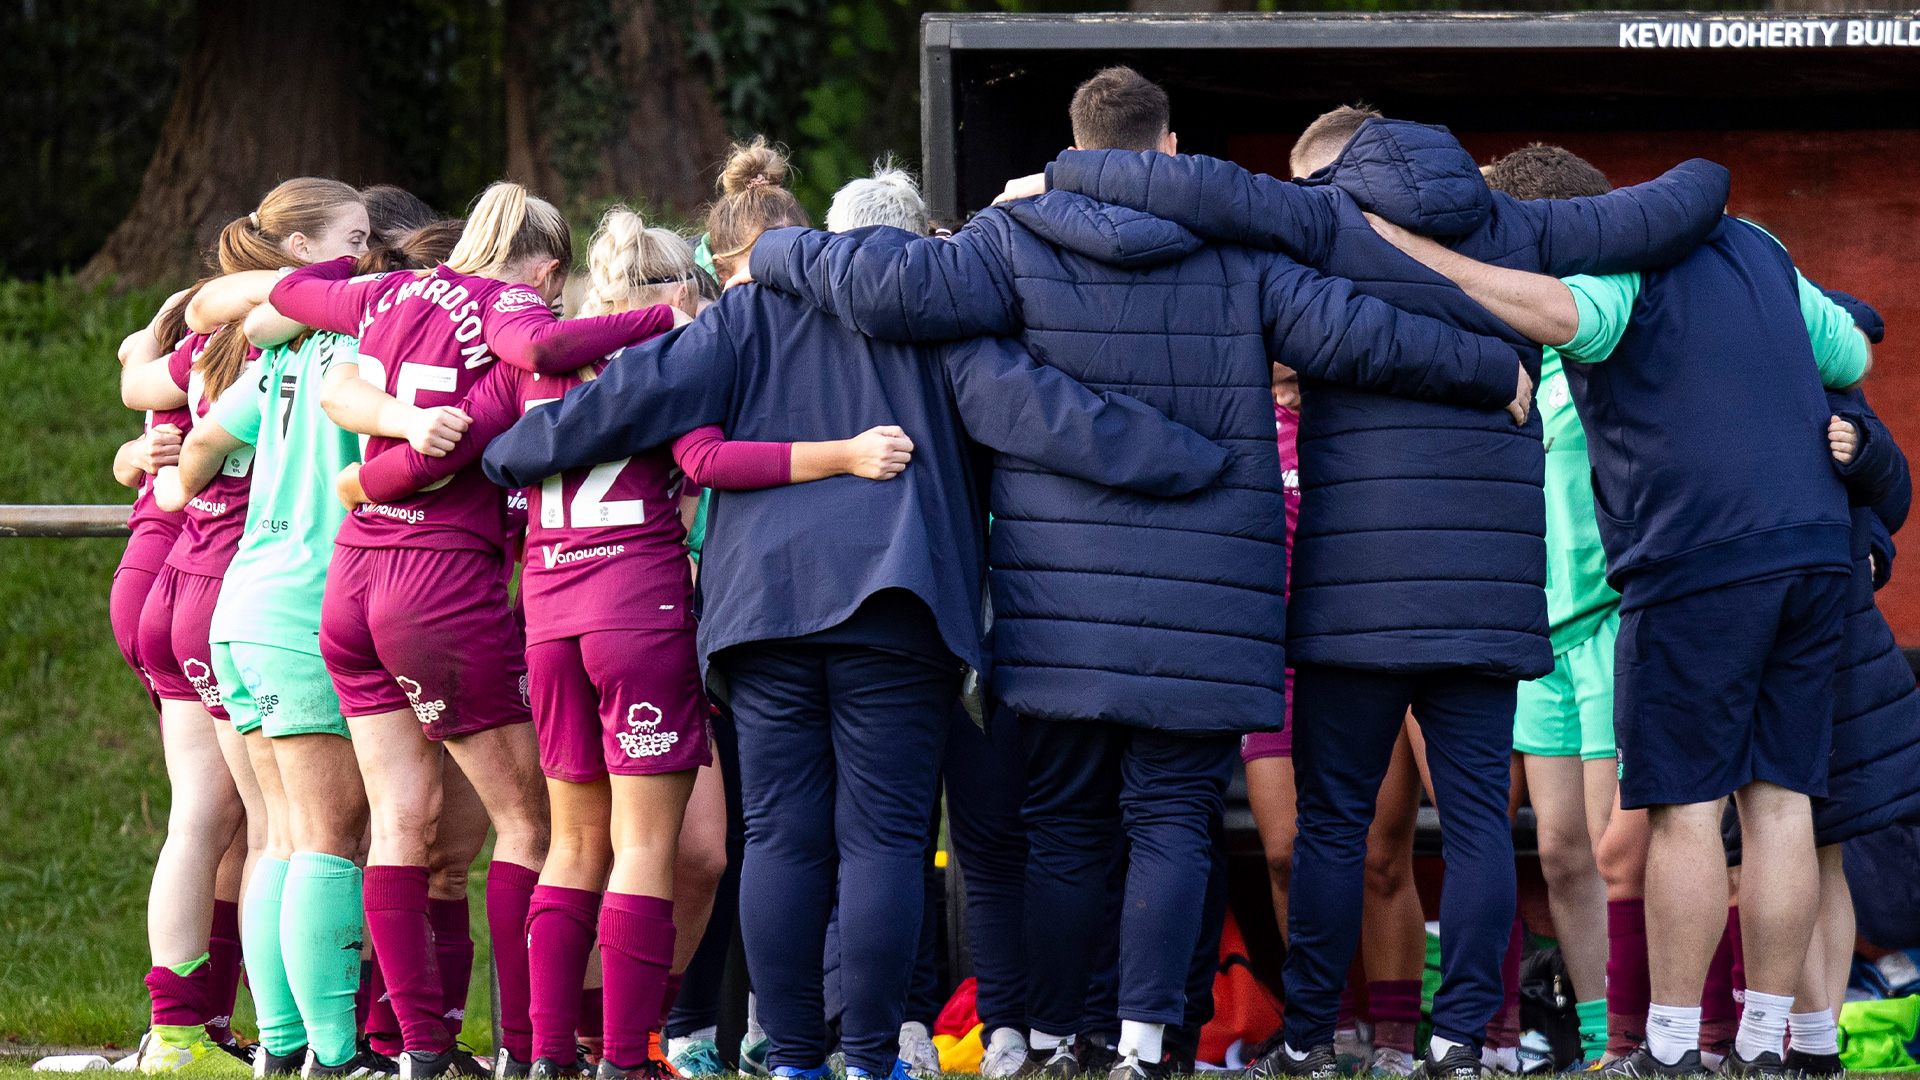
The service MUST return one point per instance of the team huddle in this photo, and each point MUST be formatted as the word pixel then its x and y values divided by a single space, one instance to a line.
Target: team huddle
pixel 701 598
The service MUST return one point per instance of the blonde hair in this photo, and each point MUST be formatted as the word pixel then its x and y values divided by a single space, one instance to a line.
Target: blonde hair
pixel 509 225
pixel 305 204
pixel 631 266
pixel 753 199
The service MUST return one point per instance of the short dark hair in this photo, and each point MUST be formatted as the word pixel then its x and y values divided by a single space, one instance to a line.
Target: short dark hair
pixel 1119 109
pixel 1333 127
pixel 1541 171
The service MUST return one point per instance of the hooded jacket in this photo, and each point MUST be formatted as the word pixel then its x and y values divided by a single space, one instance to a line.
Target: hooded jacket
pixel 1167 614
pixel 1873 775
pixel 1420 540
pixel 794 560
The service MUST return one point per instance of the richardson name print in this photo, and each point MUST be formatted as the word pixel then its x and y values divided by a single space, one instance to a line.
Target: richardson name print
pixel 1769 34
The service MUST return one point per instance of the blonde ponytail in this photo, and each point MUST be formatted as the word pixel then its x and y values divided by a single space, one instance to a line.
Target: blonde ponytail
pixel 632 266
pixel 507 226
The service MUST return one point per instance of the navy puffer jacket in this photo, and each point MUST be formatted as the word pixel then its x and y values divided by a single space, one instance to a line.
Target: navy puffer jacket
pixel 1162 613
pixel 1420 543
pixel 1873 777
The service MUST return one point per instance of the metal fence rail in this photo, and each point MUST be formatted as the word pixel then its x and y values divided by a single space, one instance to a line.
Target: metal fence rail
pixel 28 519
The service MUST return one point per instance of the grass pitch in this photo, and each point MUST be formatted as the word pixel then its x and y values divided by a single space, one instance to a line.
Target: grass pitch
pixel 83 791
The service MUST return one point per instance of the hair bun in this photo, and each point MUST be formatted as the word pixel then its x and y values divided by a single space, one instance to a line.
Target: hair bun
pixel 751 165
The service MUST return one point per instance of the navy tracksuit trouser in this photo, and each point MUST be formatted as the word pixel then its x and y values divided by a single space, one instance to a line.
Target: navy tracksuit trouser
pixel 840 749
pixel 1103 990
pixel 986 778
pixel 1093 787
pixel 1345 725
pixel 986 772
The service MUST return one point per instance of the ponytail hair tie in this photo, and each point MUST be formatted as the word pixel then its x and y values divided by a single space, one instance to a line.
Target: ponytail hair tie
pixel 759 180
pixel 253 219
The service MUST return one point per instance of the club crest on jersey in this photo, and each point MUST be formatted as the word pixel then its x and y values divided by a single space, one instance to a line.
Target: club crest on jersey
pixel 643 737
pixel 1559 395
pixel 426 712
pixel 201 676
pixel 512 300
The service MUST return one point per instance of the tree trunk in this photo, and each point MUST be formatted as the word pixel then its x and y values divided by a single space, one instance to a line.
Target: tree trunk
pixel 264 95
pixel 664 139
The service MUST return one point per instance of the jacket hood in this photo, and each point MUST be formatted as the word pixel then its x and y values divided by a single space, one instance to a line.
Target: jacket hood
pixel 1114 235
pixel 1417 176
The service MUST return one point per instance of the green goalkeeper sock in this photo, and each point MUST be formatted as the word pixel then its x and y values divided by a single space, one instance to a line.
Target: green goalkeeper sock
pixel 320 935
pixel 1593 1027
pixel 280 1026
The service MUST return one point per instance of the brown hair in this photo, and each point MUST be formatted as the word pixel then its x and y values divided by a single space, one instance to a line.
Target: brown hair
pixel 1119 109
pixel 753 199
pixel 1333 127
pixel 393 212
pixel 508 225
pixel 1541 171
pixel 305 204
pixel 420 249
pixel 171 327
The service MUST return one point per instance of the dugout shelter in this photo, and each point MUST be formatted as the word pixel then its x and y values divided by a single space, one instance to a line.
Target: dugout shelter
pixel 1817 116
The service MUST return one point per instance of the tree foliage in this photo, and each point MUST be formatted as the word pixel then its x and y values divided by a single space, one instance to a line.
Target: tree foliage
pixel 84 91
pixel 87 86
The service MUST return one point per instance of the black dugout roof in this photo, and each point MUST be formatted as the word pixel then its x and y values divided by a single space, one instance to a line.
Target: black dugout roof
pixel 995 87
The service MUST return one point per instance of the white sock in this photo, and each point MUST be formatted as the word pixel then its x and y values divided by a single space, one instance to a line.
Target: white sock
pixel 1296 1055
pixel 1672 1030
pixel 1814 1032
pixel 1140 1040
pixel 754 1031
pixel 1501 1058
pixel 1007 1036
pixel 912 1029
pixel 1763 1027
pixel 681 1042
pixel 1040 1040
pixel 1439 1047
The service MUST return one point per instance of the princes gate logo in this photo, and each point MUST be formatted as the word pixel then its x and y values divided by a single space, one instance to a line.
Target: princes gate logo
pixel 201 677
pixel 643 737
pixel 424 711
pixel 1769 34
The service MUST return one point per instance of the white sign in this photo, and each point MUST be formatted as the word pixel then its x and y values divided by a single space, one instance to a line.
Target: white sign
pixel 1769 34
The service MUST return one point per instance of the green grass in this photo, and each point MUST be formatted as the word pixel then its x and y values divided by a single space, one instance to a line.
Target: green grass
pixel 83 792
